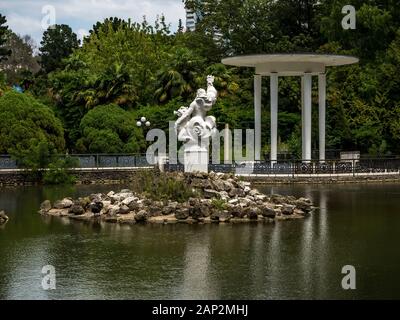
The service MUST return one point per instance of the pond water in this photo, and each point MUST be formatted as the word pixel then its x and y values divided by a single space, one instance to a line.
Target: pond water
pixel 356 225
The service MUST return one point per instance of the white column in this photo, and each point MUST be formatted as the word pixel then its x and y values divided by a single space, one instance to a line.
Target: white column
pixel 322 115
pixel 274 117
pixel 303 126
pixel 307 115
pixel 227 145
pixel 257 116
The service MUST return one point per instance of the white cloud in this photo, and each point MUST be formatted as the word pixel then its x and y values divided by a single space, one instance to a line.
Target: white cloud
pixel 25 16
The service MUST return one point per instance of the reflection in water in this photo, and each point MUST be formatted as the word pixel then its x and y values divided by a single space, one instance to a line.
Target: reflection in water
pixel 288 260
pixel 195 274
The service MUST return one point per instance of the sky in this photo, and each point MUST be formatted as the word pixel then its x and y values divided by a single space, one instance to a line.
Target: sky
pixel 29 16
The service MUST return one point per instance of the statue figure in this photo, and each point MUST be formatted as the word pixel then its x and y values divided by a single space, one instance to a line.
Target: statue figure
pixel 193 125
pixel 195 128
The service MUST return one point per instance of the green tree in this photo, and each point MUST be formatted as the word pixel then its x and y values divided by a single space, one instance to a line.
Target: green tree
pixel 110 129
pixel 57 44
pixel 178 77
pixel 4 52
pixel 26 123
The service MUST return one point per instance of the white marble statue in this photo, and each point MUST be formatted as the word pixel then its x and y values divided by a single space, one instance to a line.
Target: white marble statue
pixel 195 128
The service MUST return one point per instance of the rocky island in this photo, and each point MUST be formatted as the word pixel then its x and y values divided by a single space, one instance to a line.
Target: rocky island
pixel 3 218
pixel 218 198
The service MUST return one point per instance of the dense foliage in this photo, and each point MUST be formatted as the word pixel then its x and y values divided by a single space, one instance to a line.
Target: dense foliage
pixel 126 70
pixel 110 129
pixel 58 43
pixel 25 123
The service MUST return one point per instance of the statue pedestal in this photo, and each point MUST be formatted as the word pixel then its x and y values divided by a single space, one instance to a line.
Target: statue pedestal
pixel 196 159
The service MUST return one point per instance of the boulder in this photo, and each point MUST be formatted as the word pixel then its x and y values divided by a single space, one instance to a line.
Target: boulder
pixel 287 209
pixel 234 201
pixel 254 192
pixel 268 212
pixel 237 192
pixel 260 197
pixel 252 213
pixel 304 204
pixel 95 197
pixel 182 213
pixel 278 199
pixel 124 209
pixel 45 206
pixel 129 200
pixel 96 206
pixel 3 217
pixel 224 195
pixel 110 194
pixel 141 216
pixel 201 183
pixel 76 209
pixel 63 204
pixel 196 211
pixel 237 212
pixel 218 185
pixel 247 190
pixel 169 209
pixel 228 185
pixel 243 184
pixel 211 194
pixel 84 202
pixel 221 216
pixel 113 210
pixel 155 210
pixel 299 212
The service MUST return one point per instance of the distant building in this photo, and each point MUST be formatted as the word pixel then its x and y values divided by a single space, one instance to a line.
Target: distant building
pixel 192 17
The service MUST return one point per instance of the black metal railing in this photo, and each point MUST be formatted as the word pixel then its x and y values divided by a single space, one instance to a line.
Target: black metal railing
pixel 303 167
pixel 279 167
pixel 91 161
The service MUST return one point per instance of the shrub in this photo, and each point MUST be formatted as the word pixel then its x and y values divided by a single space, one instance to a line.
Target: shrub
pixel 25 123
pixel 110 129
pixel 161 186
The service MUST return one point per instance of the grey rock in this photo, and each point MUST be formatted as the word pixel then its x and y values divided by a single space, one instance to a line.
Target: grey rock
pixel 63 204
pixel 211 194
pixel 304 204
pixel 124 209
pixel 201 183
pixel 76 210
pixel 219 185
pixel 95 197
pixel 221 216
pixel 237 192
pixel 268 212
pixel 96 206
pixel 113 210
pixel 141 216
pixel 237 212
pixel 287 209
pixel 182 213
pixel 196 211
pixel 45 206
pixel 252 213
pixel 3 217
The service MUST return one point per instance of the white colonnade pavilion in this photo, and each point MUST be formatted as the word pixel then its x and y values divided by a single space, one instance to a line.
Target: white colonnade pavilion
pixel 282 65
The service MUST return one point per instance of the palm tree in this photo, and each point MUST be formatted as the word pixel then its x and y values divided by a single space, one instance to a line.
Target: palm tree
pixel 178 78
